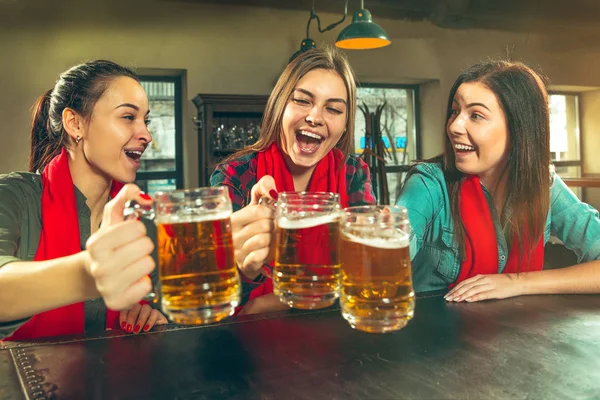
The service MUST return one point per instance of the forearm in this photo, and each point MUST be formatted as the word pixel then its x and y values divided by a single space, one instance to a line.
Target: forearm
pixel 581 278
pixel 30 287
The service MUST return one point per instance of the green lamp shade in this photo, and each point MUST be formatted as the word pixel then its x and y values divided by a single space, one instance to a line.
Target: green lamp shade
pixel 306 45
pixel 362 33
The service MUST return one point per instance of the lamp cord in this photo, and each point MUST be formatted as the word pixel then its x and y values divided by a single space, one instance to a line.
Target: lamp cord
pixel 313 15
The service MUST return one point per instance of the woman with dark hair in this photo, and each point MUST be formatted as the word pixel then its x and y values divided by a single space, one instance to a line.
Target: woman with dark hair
pixel 482 211
pixel 306 136
pixel 88 134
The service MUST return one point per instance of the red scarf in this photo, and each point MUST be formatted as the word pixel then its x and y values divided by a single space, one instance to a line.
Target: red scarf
pixel 328 176
pixel 481 245
pixel 60 238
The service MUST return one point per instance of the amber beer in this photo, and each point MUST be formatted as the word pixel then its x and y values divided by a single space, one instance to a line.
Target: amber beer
pixel 377 294
pixel 198 276
pixel 306 273
pixel 199 282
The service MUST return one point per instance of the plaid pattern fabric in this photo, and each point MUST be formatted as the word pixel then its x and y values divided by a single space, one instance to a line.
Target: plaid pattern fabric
pixel 240 176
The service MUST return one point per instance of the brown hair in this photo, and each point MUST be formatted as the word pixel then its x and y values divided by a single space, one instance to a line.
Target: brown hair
pixel 327 58
pixel 522 94
pixel 78 88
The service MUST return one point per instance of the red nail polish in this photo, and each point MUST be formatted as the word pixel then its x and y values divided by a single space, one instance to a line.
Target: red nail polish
pixel 129 328
pixel 146 328
pixel 145 196
pixel 137 329
pixel 123 325
pixel 273 194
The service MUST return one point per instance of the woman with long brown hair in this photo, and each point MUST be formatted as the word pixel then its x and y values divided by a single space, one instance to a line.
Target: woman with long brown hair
pixel 482 211
pixel 306 137
pixel 65 252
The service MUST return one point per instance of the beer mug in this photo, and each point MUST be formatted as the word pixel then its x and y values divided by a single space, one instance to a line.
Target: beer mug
pixel 377 293
pixel 198 277
pixel 306 273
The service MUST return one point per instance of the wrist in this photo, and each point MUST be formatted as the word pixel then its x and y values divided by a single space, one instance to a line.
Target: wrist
pixel 521 283
pixel 84 261
pixel 249 275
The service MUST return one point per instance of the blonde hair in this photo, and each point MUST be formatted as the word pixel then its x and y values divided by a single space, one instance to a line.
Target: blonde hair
pixel 328 58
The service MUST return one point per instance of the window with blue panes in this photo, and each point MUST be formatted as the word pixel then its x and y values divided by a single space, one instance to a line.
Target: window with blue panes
pixel 399 127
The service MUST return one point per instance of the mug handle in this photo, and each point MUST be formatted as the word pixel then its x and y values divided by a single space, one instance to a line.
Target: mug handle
pixel 268 202
pixel 134 210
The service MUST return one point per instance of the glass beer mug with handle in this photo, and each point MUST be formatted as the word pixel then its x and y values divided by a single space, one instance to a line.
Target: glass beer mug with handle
pixel 198 278
pixel 306 272
pixel 377 293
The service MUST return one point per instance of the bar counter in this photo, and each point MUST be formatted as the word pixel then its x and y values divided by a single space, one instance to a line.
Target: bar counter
pixel 534 347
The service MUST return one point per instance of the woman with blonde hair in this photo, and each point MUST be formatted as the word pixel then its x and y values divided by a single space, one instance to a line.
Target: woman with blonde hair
pixel 306 138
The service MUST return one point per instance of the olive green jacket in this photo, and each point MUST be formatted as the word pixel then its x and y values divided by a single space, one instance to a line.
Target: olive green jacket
pixel 20 228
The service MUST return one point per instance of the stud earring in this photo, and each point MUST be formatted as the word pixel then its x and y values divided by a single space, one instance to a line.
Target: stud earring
pixel 78 139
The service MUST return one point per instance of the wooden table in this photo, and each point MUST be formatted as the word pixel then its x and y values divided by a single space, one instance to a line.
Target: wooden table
pixel 537 347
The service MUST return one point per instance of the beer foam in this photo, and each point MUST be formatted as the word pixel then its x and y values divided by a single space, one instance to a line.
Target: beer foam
pixel 378 242
pixel 286 223
pixel 187 218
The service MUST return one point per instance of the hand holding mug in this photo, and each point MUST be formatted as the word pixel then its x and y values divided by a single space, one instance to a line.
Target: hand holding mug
pixel 119 254
pixel 253 229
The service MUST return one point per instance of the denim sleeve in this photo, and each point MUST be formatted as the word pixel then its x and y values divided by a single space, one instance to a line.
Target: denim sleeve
pixel 422 196
pixel 574 222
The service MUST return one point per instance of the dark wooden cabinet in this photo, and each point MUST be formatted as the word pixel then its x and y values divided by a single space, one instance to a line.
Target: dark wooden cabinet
pixel 226 124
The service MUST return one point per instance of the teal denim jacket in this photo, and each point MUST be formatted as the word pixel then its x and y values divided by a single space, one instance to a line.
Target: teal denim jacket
pixel 435 258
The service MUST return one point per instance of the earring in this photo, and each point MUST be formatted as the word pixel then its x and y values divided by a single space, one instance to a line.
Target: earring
pixel 78 139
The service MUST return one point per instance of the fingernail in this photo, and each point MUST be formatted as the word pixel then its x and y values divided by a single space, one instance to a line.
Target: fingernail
pixel 146 328
pixel 123 325
pixel 129 328
pixel 137 329
pixel 459 298
pixel 145 196
pixel 448 298
pixel 468 299
pixel 273 194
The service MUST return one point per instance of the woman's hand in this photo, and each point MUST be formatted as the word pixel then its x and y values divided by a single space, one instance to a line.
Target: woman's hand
pixel 486 287
pixel 119 253
pixel 141 318
pixel 261 304
pixel 253 230
pixel 265 187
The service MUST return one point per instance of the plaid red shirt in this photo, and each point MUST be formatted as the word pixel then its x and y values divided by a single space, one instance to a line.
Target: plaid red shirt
pixel 240 176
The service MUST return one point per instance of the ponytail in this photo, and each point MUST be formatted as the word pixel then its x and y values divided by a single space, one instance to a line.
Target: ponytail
pixel 45 144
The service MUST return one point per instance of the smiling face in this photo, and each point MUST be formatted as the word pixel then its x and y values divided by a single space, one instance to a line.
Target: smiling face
pixel 478 132
pixel 315 118
pixel 117 133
